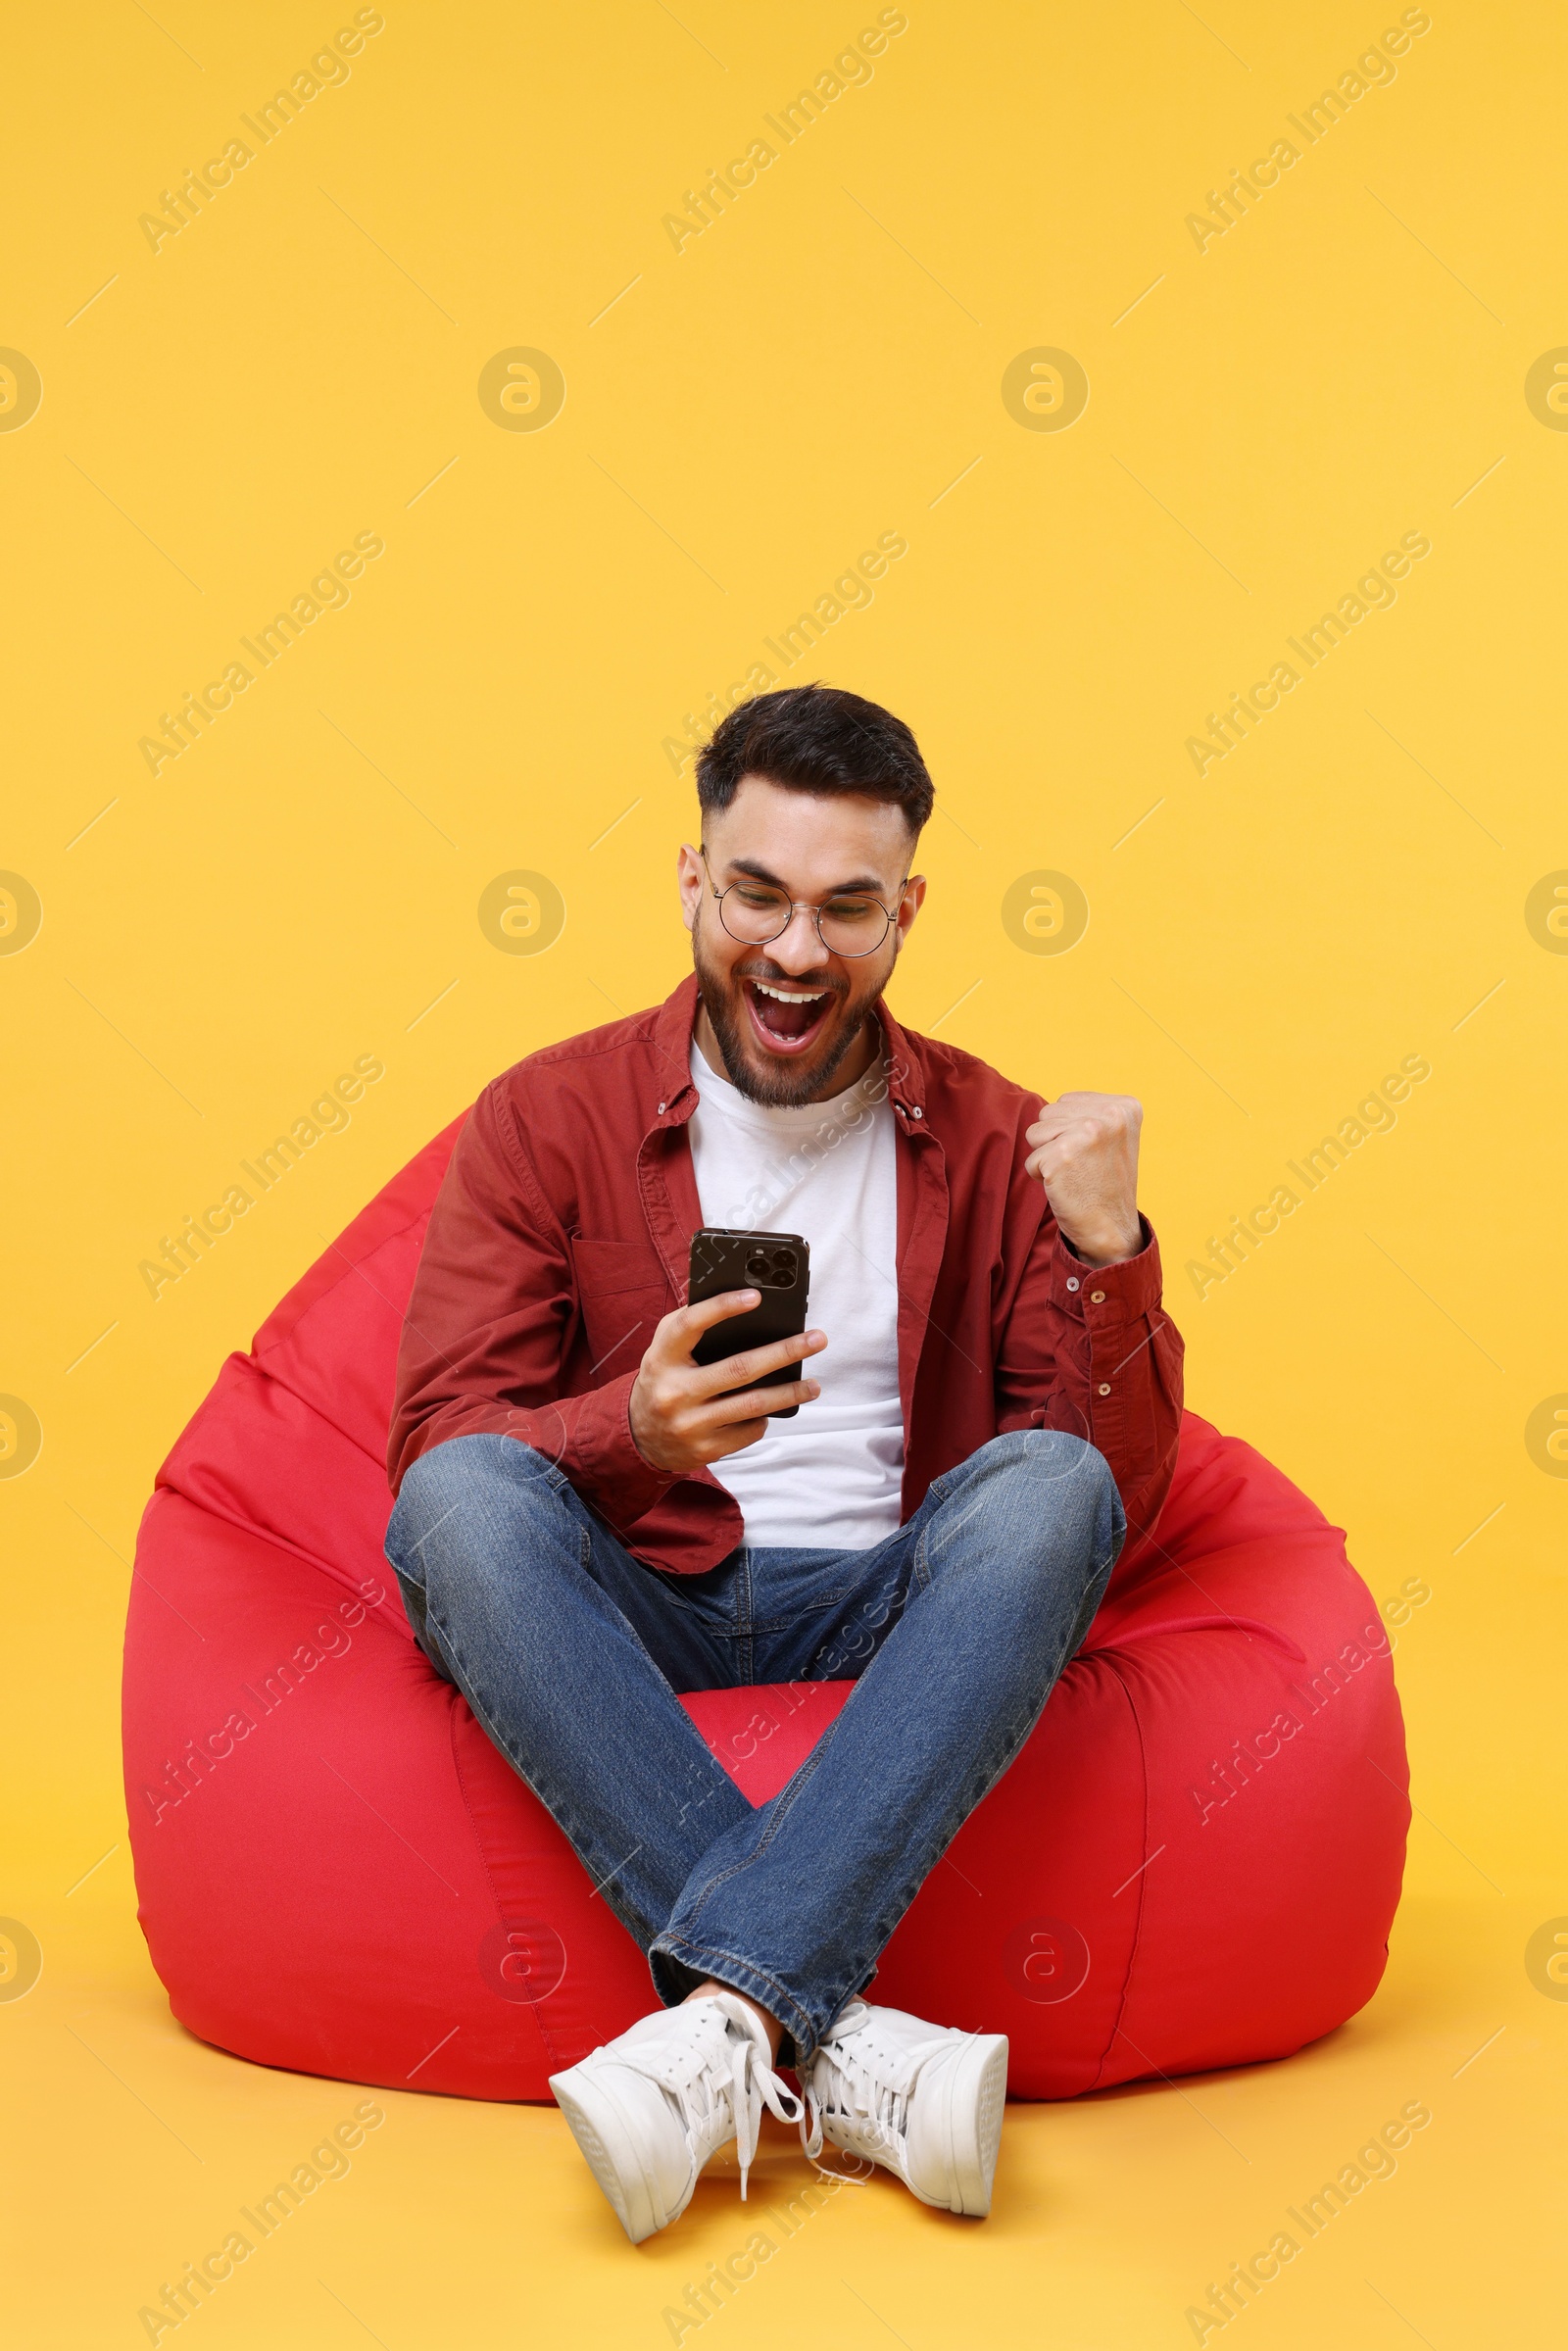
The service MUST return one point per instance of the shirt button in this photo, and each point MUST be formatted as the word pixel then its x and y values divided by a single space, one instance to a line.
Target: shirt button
pixel 1097 1297
pixel 661 1109
pixel 916 1112
pixel 1072 1281
pixel 1104 1387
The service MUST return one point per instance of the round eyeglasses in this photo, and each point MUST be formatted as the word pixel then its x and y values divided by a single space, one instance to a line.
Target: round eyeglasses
pixel 849 924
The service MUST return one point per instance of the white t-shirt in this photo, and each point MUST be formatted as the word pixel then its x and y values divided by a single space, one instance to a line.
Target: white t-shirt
pixel 831 1477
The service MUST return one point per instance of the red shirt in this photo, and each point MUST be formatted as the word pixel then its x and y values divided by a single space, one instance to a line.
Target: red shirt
pixel 561 1234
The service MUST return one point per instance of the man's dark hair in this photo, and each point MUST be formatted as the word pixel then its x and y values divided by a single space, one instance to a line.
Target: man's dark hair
pixel 816 739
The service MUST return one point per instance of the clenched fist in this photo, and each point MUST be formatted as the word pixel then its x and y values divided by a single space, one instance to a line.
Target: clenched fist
pixel 1086 1154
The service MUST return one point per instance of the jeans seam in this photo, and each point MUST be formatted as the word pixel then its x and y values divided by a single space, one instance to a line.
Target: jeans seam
pixel 816 1608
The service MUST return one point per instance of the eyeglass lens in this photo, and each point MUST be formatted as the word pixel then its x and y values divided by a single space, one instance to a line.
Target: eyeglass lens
pixel 850 925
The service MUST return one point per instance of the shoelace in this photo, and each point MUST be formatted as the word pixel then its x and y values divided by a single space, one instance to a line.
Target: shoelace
pixel 873 2086
pixel 681 2063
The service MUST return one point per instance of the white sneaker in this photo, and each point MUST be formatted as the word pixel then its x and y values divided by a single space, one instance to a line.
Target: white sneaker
pixel 650 2108
pixel 925 2101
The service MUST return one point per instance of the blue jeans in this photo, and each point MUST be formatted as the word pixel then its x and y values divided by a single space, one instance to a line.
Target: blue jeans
pixel 571 1652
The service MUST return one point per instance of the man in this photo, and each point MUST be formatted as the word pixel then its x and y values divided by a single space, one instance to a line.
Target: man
pixel 589 1522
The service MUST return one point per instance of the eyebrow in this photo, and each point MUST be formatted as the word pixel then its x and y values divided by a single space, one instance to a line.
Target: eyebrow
pixel 863 886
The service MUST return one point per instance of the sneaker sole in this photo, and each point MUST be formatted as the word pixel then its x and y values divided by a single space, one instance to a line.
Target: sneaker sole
pixel 610 2151
pixel 976 2098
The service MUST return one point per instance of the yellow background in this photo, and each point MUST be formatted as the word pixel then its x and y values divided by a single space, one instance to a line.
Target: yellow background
pixel 821 365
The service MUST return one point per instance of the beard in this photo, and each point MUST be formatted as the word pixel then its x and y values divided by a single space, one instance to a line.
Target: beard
pixel 782 1084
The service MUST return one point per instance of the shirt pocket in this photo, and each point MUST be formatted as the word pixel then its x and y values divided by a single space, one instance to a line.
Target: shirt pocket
pixel 621 1295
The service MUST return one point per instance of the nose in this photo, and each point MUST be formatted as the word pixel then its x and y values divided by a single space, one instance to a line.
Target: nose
pixel 798 950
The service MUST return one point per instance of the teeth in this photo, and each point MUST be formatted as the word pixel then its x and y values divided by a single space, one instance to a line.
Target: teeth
pixel 808 996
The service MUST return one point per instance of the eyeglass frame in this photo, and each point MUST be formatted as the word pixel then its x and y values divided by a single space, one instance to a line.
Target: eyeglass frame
pixel 801 905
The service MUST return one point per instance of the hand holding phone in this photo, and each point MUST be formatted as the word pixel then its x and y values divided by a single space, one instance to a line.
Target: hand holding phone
pixel 709 1379
pixel 728 1259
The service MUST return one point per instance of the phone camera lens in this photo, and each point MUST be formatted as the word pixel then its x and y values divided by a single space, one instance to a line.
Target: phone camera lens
pixel 758 1268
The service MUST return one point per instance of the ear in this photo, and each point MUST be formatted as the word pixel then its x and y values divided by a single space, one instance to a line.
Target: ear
pixel 692 879
pixel 909 905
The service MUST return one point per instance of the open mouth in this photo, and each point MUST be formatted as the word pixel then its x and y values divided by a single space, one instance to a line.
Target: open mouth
pixel 786 1019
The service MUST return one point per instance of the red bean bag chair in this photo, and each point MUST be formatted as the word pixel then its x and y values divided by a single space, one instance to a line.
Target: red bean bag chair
pixel 1194 1862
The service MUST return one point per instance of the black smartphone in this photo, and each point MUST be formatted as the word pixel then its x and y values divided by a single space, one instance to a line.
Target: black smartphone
pixel 778 1265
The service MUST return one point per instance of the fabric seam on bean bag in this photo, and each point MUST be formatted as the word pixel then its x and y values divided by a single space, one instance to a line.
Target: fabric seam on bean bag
pixel 1143 1875
pixel 552 2053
